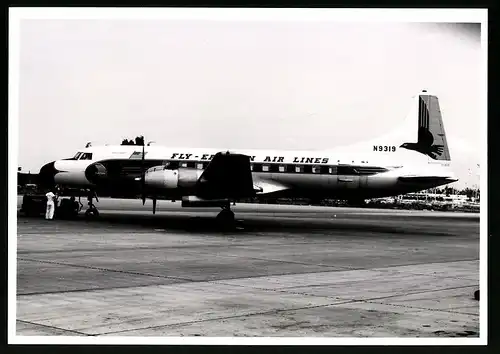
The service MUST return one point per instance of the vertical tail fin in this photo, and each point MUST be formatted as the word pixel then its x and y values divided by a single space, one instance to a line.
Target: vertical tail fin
pixel 431 139
pixel 430 116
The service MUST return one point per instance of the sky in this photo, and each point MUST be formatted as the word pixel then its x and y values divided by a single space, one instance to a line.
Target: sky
pixel 242 84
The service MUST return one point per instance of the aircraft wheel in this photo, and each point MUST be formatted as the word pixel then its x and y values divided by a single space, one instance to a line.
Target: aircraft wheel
pixel 226 217
pixel 91 213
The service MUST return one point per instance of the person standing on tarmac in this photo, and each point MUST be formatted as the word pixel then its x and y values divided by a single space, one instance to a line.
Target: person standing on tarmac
pixel 49 212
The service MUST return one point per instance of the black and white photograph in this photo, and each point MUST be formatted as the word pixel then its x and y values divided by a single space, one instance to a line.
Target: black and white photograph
pixel 247 176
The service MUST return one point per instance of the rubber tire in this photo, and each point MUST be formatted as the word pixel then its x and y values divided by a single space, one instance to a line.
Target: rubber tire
pixel 94 213
pixel 226 217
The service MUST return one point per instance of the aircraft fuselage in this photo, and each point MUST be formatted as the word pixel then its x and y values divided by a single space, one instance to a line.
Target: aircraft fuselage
pixel 297 174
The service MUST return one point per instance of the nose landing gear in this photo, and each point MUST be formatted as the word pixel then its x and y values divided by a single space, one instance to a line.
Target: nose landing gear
pixel 91 212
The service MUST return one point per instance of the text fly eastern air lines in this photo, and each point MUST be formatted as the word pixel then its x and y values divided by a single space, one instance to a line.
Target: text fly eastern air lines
pixel 277 159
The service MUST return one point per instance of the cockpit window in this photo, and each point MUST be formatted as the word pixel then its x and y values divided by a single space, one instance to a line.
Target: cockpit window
pixel 81 156
pixel 86 156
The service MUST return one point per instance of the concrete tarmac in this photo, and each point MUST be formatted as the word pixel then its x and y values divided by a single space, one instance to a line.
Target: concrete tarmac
pixel 288 271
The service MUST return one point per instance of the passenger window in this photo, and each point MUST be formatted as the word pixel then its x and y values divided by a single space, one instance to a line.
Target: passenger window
pixel 299 169
pixel 316 169
pixel 281 169
pixel 274 168
pixel 199 166
pixel 265 168
pixel 184 164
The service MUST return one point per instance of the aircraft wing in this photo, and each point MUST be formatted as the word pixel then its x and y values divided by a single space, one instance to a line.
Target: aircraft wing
pixel 228 175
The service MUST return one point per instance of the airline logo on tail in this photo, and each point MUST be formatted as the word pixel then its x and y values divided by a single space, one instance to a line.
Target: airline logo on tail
pixel 430 130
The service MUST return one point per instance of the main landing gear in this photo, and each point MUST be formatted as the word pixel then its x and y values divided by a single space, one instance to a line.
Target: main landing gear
pixel 92 211
pixel 226 216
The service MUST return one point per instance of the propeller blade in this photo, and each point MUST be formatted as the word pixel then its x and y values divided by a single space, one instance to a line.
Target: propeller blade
pixel 154 206
pixel 143 178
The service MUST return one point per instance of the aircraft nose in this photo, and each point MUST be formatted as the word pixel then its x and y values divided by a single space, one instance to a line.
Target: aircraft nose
pixel 46 175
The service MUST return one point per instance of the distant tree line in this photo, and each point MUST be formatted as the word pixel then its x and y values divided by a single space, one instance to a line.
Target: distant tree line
pixel 469 192
pixel 139 140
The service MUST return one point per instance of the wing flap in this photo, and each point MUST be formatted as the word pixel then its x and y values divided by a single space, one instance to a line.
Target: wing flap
pixel 269 187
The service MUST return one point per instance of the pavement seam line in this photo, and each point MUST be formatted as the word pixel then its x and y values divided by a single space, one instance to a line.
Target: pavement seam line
pixel 41 293
pixel 423 308
pixel 106 269
pixel 340 302
pixel 131 248
pixel 279 261
pixel 221 281
pixel 53 327
pixel 223 318
pixel 357 300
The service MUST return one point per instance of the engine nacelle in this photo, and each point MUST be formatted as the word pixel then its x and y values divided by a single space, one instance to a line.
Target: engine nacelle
pixel 161 178
pixel 193 201
pixel 96 173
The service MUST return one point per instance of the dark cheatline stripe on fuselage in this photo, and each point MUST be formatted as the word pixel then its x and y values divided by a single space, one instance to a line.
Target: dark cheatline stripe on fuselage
pixel 365 170
pixel 131 169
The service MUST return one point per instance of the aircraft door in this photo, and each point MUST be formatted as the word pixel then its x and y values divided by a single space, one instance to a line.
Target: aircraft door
pixel 331 176
pixel 323 177
pixel 347 177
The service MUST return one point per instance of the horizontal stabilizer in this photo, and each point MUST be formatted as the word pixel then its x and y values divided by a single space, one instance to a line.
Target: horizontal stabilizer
pixel 428 179
pixel 228 175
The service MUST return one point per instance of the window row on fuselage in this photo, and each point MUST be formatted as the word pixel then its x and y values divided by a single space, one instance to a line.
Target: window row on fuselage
pixel 292 168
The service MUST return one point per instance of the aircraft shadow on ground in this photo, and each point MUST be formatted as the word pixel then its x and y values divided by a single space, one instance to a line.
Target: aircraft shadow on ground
pixel 209 225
